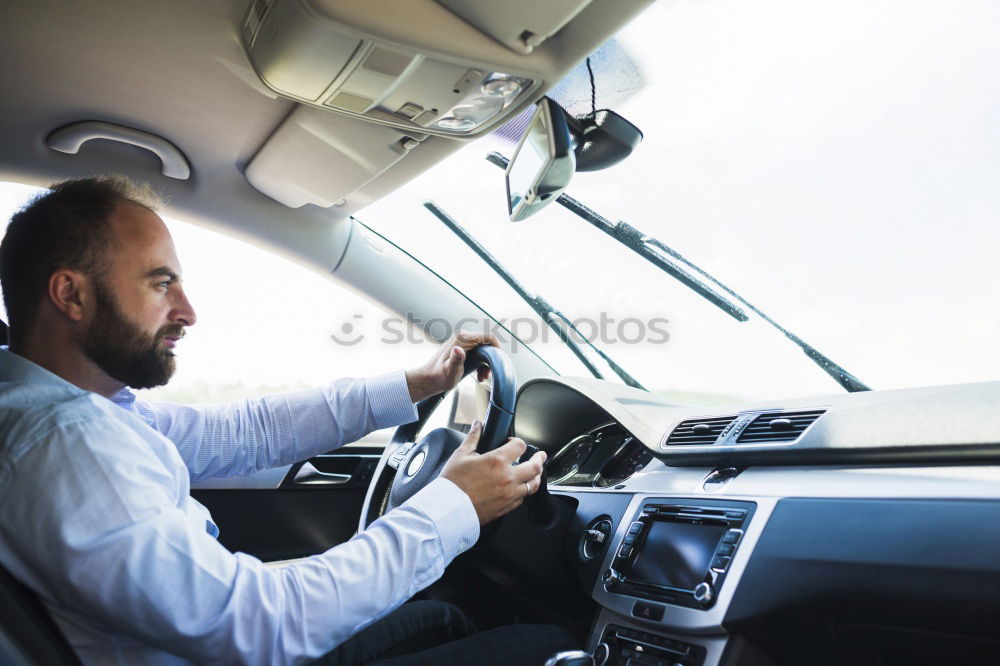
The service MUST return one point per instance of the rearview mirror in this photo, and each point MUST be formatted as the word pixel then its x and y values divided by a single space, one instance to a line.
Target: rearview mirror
pixel 543 163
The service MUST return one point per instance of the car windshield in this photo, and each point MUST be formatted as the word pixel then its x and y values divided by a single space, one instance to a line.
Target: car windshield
pixel 834 164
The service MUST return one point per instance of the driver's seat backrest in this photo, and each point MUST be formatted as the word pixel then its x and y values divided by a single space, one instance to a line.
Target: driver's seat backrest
pixel 28 625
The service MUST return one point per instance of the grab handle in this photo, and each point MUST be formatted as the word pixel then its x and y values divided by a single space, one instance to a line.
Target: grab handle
pixel 69 139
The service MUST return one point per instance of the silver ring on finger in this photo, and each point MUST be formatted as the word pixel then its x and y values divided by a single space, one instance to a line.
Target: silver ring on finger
pixel 527 487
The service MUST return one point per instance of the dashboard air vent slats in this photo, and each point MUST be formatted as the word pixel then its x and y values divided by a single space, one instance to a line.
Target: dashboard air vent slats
pixel 698 431
pixel 778 426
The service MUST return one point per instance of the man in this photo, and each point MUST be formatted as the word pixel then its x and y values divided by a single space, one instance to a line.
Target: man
pixel 95 510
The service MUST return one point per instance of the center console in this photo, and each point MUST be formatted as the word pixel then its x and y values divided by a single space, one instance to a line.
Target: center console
pixel 678 553
pixel 632 647
pixel 668 577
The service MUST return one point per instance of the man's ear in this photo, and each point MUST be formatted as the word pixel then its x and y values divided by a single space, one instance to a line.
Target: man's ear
pixel 69 293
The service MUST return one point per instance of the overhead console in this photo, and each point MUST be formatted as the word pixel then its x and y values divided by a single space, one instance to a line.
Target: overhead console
pixel 447 67
pixel 383 80
pixel 300 54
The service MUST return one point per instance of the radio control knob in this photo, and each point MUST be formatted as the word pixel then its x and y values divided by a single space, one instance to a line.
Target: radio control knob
pixel 611 578
pixel 703 594
pixel 601 654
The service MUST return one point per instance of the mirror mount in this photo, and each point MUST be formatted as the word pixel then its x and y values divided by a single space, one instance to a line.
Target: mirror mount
pixel 602 140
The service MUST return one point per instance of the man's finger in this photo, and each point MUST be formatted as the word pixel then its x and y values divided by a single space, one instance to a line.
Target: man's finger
pixel 454 359
pixel 530 469
pixel 470 339
pixel 511 451
pixel 471 440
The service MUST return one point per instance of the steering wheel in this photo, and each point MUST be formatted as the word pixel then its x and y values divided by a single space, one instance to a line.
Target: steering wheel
pixel 407 465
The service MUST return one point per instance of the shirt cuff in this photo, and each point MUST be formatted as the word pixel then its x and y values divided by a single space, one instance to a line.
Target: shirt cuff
pixel 389 400
pixel 451 510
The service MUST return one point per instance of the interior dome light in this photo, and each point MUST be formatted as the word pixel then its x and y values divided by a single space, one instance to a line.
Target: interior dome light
pixel 471 113
pixel 502 86
pixel 495 93
pixel 456 124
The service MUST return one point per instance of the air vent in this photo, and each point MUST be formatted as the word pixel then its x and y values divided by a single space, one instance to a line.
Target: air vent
pixel 254 19
pixel 778 426
pixel 698 431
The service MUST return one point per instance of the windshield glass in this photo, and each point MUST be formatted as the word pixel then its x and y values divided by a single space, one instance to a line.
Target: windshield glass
pixel 834 164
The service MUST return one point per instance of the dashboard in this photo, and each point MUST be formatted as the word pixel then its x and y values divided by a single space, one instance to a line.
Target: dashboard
pixel 855 529
pixel 601 457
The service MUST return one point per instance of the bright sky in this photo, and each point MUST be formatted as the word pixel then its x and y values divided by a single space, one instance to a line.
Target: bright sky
pixel 836 164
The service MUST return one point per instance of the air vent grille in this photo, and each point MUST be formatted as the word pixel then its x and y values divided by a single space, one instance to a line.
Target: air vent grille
pixel 778 426
pixel 698 431
pixel 255 18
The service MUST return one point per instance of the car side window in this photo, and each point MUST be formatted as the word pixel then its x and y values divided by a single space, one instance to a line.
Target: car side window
pixel 268 325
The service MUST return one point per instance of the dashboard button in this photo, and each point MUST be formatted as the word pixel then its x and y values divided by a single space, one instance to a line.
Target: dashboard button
pixel 635 528
pixel 726 549
pixel 648 612
pixel 721 562
pixel 624 551
pixel 732 536
pixel 629 539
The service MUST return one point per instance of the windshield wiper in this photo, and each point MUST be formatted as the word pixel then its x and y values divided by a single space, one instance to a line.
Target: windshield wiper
pixel 555 319
pixel 657 252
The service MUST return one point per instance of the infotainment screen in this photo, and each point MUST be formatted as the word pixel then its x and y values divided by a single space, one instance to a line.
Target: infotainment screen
pixel 676 554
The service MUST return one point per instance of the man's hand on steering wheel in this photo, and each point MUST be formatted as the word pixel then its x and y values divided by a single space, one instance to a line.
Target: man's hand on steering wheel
pixel 492 481
pixel 481 463
pixel 444 369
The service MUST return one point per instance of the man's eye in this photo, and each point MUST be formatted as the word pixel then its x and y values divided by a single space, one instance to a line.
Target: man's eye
pixel 165 284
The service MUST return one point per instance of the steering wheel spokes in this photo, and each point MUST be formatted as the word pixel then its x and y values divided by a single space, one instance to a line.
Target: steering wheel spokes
pixel 400 454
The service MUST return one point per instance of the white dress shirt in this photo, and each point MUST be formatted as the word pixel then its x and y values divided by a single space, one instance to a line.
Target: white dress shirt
pixel 96 517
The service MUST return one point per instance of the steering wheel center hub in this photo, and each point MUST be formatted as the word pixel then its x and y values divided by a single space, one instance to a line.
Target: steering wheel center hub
pixel 416 462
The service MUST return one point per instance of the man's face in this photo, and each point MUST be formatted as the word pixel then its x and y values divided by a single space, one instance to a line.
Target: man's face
pixel 139 307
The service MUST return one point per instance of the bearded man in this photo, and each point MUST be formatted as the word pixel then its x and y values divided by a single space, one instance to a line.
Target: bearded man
pixel 96 515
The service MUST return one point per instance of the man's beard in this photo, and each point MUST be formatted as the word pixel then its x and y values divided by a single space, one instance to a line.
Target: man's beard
pixel 122 350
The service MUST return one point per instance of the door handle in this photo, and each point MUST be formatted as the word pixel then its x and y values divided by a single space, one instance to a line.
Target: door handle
pixel 310 476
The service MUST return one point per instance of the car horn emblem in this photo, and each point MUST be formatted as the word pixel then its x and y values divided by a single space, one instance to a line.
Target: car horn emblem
pixel 416 462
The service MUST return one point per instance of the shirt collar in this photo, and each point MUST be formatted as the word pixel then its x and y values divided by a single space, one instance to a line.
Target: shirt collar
pixel 15 368
pixel 123 398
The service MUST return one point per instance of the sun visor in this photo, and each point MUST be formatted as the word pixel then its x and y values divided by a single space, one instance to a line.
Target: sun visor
pixel 320 158
pixel 520 25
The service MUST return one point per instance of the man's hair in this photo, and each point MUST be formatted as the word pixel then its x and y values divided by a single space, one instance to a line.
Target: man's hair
pixel 65 227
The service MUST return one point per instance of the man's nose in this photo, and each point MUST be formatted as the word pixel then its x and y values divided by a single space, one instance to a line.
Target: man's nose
pixel 183 311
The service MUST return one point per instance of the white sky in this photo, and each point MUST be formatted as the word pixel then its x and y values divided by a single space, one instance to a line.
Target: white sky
pixel 836 164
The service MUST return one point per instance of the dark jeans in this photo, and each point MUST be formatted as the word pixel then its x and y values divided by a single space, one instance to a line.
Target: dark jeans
pixel 432 632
